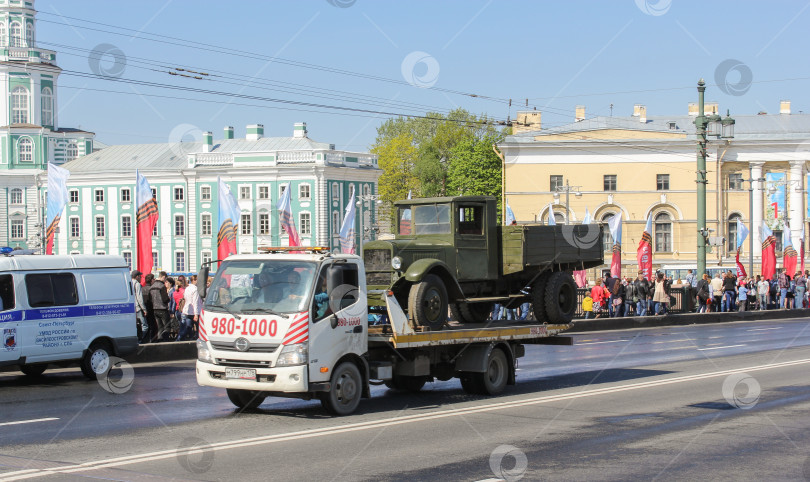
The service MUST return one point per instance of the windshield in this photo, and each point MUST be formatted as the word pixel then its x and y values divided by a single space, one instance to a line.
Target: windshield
pixel 256 285
pixel 426 219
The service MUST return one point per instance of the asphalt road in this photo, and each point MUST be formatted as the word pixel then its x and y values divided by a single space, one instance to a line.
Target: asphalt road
pixel 726 401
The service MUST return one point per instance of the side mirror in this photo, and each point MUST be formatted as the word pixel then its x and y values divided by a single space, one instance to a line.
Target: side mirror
pixel 333 320
pixel 202 282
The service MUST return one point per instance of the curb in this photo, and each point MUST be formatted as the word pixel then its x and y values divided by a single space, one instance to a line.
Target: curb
pixel 160 352
pixel 627 323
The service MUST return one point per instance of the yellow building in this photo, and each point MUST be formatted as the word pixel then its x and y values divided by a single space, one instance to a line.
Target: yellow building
pixel 645 166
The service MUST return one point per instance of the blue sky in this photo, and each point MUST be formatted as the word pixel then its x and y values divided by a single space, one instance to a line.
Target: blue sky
pixel 557 54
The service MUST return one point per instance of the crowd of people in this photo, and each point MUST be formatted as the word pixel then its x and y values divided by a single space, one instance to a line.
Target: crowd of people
pixel 167 309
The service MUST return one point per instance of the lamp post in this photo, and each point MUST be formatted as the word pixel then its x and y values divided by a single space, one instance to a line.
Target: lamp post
pixel 361 200
pixel 567 190
pixel 705 126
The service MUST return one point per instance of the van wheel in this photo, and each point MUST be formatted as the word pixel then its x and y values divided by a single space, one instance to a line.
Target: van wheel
pixel 493 381
pixel 347 388
pixel 96 361
pixel 245 399
pixel 407 384
pixel 33 370
pixel 427 303
pixel 561 298
pixel 539 297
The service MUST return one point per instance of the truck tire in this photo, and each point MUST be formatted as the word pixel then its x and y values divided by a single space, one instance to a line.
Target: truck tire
pixel 470 384
pixel 245 399
pixel 475 312
pixel 561 298
pixel 493 380
pixel 427 303
pixel 96 361
pixel 346 390
pixel 455 312
pixel 539 297
pixel 33 370
pixel 406 384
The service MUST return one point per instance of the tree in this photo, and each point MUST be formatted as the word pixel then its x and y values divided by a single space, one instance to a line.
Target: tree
pixel 396 158
pixel 475 169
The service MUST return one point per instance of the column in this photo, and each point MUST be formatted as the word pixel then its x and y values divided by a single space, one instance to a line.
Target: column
pixel 795 201
pixel 756 216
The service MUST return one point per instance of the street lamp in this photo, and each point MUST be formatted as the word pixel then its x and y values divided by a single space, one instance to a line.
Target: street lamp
pixel 567 190
pixel 705 126
pixel 364 199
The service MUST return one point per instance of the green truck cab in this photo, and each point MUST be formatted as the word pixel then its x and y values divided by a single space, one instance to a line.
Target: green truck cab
pixel 450 254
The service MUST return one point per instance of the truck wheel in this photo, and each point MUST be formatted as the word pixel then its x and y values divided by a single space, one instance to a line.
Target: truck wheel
pixel 561 298
pixel 347 388
pixel 493 381
pixel 33 370
pixel 455 312
pixel 427 303
pixel 475 312
pixel 96 361
pixel 407 384
pixel 469 383
pixel 245 399
pixel 539 297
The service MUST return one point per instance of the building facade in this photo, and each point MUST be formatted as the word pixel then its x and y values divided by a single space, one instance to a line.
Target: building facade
pixel 645 167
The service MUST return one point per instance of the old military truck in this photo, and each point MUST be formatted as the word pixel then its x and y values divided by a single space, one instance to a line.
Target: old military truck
pixel 450 253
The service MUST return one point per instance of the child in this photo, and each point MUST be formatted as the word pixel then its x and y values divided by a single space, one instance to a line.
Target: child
pixel 587 306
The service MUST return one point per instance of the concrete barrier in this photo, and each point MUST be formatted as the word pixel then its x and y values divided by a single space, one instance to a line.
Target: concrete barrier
pixel 630 322
pixel 159 352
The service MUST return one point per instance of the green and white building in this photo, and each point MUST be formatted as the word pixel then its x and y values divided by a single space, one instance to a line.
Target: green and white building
pixel 30 135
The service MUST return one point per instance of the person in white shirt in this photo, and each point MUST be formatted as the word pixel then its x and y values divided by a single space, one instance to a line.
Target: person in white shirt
pixel 192 306
pixel 763 288
pixel 140 306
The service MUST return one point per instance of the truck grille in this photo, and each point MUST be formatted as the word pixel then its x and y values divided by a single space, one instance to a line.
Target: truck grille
pixel 378 267
pixel 254 347
pixel 243 363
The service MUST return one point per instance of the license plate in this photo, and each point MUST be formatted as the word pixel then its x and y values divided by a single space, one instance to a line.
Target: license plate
pixel 240 373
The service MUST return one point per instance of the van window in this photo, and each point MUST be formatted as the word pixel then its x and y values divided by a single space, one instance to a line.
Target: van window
pixel 6 292
pixel 104 287
pixel 51 289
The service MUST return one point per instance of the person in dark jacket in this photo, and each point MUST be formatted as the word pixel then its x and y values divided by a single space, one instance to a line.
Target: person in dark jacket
pixel 147 301
pixel 630 298
pixel 729 291
pixel 642 289
pixel 160 306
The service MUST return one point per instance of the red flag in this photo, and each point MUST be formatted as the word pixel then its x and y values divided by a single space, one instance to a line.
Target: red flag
pixel 740 268
pixel 644 252
pixel 284 208
pixel 146 218
pixel 580 278
pixel 229 215
pixel 57 198
pixel 789 260
pixel 768 253
pixel 615 225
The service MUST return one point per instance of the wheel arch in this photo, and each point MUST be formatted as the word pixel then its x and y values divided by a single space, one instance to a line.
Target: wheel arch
pixel 423 267
pixel 362 365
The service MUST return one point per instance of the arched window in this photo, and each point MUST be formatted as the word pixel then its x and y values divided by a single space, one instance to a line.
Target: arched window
pixel 607 238
pixel 15 34
pixel 732 232
pixel 19 105
pixel 72 151
pixel 29 35
pixel 663 233
pixel 559 218
pixel 25 150
pixel 47 107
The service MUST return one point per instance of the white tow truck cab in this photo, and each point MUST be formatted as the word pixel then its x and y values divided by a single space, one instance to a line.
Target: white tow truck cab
pixel 295 324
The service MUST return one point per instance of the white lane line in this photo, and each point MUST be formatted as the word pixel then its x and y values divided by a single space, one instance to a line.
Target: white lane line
pixel 401 420
pixel 763 329
pixel 33 420
pixel 599 342
pixel 720 347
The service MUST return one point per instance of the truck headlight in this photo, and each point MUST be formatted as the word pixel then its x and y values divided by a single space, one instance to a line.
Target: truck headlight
pixel 203 353
pixel 396 262
pixel 293 355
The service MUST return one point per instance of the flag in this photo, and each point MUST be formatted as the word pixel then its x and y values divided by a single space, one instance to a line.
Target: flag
pixel 742 233
pixel 789 255
pixel 768 252
pixel 551 220
pixel 510 216
pixel 615 225
pixel 644 252
pixel 580 276
pixel 146 217
pixel 57 198
pixel 801 248
pixel 285 216
pixel 347 245
pixel 409 194
pixel 229 214
pixel 740 268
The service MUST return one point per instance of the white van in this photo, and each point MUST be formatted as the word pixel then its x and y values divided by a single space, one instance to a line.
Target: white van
pixel 63 309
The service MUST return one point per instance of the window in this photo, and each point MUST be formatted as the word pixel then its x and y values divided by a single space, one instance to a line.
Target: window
pixel 732 232
pixel 19 105
pixel 663 233
pixel 180 261
pixel 244 192
pixel 264 223
pixel 205 225
pixel 205 193
pixel 246 224
pixel 47 106
pixel 205 256
pixel 431 219
pixel 610 182
pixel 99 195
pixel 335 222
pixel 264 192
pixel 281 190
pixel 662 182
pixel 16 196
pixel 179 225
pixel 154 193
pixel 155 263
pixel 304 221
pixel 607 238
pixel 73 196
pixel 127 258
pixel 155 230
pixel 126 195
pixel 26 150
pixel 303 191
pixel 555 182
pixel 15 34
pixel 335 192
pixel 29 34
pixel 366 189
pixel 735 182
pixel 72 151
pixel 75 228
pixel 51 289
pixel 179 194
pixel 126 226
pixel 471 220
pixel 7 291
pixel 2 33
pixel 100 227
pixel 17 229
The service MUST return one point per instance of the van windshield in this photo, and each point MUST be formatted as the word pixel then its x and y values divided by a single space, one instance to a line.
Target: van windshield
pixel 256 285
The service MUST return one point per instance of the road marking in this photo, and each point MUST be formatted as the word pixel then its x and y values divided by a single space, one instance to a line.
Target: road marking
pixel 599 342
pixel 375 424
pixel 33 420
pixel 720 347
pixel 763 329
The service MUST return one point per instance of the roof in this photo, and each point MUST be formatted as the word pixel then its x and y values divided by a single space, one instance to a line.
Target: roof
pixel 747 127
pixel 35 262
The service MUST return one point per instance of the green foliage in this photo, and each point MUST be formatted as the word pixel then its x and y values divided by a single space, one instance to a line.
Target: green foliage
pixel 396 158
pixel 475 168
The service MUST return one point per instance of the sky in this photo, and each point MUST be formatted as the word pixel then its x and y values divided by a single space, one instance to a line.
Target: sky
pixel 409 58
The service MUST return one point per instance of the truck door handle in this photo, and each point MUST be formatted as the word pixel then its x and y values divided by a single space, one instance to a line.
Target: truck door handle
pixel 358 329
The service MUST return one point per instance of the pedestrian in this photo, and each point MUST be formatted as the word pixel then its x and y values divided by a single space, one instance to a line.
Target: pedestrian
pixel 763 289
pixel 801 288
pixel 191 307
pixel 587 306
pixel 177 297
pixel 703 294
pixel 497 312
pixel 660 297
pixel 598 297
pixel 159 296
pixel 140 307
pixel 630 297
pixel 742 297
pixel 717 292
pixel 729 291
pixel 149 279
pixel 618 298
pixel 642 290
pixel 783 284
